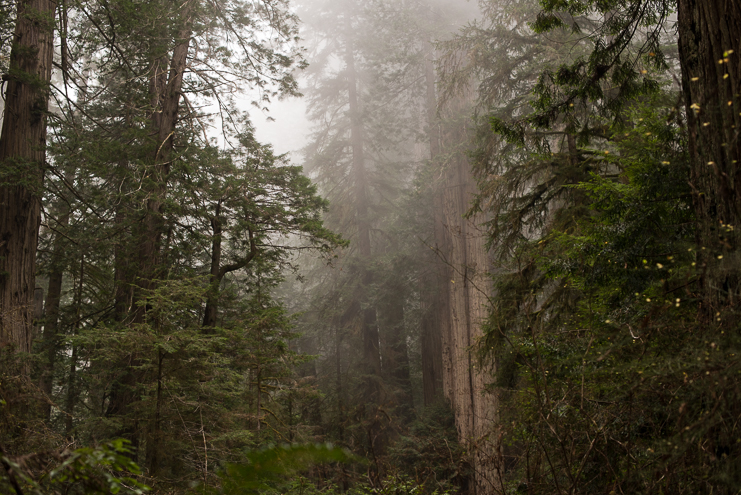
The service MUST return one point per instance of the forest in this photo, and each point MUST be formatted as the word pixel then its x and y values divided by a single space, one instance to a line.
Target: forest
pixel 504 260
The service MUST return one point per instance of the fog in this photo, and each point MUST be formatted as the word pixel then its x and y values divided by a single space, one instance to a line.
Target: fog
pixel 490 249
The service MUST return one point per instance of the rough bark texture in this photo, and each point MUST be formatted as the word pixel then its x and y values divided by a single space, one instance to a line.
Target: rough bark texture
pixel 165 93
pixel 710 47
pixel 468 287
pixel 165 90
pixel 22 156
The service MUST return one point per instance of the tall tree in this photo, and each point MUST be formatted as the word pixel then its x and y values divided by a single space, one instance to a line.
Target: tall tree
pixel 710 51
pixel 586 176
pixel 22 158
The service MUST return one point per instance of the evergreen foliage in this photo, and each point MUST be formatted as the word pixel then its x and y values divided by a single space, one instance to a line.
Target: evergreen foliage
pixel 611 376
pixel 101 470
pixel 213 320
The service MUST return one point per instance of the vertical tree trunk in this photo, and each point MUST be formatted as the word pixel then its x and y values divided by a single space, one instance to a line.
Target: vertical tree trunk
pixel 435 315
pixel 165 90
pixel 395 354
pixel 339 391
pixel 338 383
pixel 51 321
pixel 22 157
pixel 710 47
pixel 123 277
pixel 218 271
pixel 72 376
pixel 474 408
pixel 154 440
pixel 209 315
pixel 371 353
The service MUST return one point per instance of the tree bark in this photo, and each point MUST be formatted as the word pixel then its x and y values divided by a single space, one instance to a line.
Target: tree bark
pixel 165 90
pixel 72 376
pixel 468 288
pixel 22 158
pixel 218 272
pixel 710 47
pixel 212 299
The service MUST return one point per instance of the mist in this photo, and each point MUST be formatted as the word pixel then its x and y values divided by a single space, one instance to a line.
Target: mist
pixel 370 247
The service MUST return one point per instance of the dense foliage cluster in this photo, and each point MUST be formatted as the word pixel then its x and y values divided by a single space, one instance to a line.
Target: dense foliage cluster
pixel 617 354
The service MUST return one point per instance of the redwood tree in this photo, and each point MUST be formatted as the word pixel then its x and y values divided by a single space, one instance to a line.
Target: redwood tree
pixel 709 48
pixel 22 156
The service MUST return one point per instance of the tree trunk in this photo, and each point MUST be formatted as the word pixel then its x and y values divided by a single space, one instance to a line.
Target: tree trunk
pixel 154 440
pixel 468 288
pixel 218 271
pixel 212 299
pixel 165 90
pixel 395 354
pixel 72 376
pixel 51 321
pixel 710 47
pixel 22 158
pixel 371 353
pixel 434 291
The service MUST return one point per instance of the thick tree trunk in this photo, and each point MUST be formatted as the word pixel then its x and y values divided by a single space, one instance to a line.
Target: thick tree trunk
pixel 468 288
pixel 22 157
pixel 710 47
pixel 165 90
